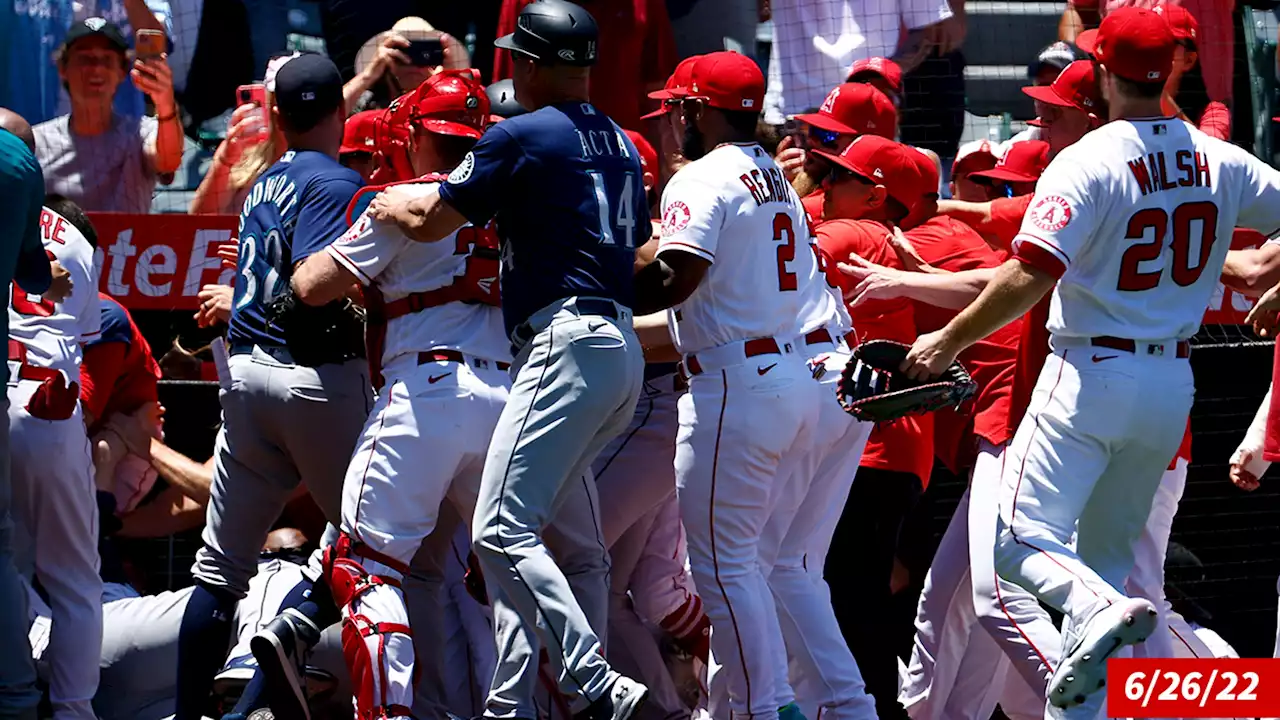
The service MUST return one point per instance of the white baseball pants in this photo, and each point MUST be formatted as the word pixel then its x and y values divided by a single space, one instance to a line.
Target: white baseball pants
pixel 972 626
pixel 425 441
pixel 824 677
pixel 739 420
pixel 1087 460
pixel 55 514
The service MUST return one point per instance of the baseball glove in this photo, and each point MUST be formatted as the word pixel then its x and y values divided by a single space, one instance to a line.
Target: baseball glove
pixel 316 336
pixel 871 388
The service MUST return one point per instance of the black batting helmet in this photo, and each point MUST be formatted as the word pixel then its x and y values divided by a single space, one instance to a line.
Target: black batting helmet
pixel 554 31
pixel 502 100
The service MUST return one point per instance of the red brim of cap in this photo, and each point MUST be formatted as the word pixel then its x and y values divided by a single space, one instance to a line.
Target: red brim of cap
pixel 1005 175
pixel 448 127
pixel 1087 41
pixel 657 113
pixel 664 94
pixel 826 122
pixel 348 149
pixel 963 165
pixel 1046 94
pixel 1036 122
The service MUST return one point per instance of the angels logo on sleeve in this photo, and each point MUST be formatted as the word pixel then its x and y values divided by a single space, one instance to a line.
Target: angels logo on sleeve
pixel 676 218
pixel 1052 213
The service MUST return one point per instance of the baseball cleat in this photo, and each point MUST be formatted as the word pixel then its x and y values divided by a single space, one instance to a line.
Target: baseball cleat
pixel 279 648
pixel 620 702
pixel 231 680
pixel 1083 670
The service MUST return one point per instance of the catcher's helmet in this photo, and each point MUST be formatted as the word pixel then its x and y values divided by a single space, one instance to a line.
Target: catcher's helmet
pixel 452 102
pixel 554 31
pixel 502 100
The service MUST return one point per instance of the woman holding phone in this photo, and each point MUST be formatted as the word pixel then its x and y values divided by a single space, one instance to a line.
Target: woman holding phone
pixel 392 63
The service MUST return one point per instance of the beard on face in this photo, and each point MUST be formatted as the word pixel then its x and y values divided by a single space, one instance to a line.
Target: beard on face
pixel 694 144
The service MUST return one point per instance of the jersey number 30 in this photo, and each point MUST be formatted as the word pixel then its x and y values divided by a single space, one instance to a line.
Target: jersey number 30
pixel 1184 269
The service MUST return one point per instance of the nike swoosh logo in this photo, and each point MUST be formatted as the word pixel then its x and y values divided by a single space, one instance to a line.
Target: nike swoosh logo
pixel 763 370
pixel 437 378
pixel 1098 359
pixel 592 327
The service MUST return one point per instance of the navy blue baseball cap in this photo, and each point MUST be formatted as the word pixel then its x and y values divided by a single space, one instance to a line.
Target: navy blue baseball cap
pixel 307 88
pixel 96 27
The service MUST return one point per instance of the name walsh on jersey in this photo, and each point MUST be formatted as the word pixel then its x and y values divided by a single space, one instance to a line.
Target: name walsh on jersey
pixel 1152 171
pixel 767 185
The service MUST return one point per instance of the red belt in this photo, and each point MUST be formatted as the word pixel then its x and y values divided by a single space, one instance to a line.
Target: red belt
pixel 453 356
pixel 1129 346
pixel 751 348
pixel 26 371
pixel 818 336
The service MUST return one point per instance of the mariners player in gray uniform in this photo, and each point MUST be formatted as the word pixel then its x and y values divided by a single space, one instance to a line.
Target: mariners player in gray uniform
pixel 293 409
pixel 565 186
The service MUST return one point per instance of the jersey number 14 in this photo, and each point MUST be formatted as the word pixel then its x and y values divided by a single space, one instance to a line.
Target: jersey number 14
pixel 1185 269
pixel 624 218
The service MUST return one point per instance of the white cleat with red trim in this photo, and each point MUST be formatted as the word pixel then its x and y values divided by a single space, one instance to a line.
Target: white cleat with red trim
pixel 1084 670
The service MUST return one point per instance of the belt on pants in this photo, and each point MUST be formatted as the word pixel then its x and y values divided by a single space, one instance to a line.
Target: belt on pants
pixel 1182 348
pixel 823 335
pixel 751 348
pixel 524 332
pixel 275 352
pixel 453 356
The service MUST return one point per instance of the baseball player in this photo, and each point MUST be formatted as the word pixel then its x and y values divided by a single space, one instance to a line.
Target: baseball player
pixel 739 311
pixel 1120 412
pixel 55 513
pixel 849 110
pixel 441 353
pixel 564 183
pixel 298 390
pixel 22 260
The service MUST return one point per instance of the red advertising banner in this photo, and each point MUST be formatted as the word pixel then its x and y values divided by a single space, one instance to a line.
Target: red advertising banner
pixel 160 262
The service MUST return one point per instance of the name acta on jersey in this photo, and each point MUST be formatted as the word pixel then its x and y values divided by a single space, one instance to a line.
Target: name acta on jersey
pixel 279 190
pixel 596 143
pixel 1152 171
pixel 767 185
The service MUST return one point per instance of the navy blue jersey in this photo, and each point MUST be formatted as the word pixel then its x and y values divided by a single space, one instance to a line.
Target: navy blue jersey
pixel 295 209
pixel 565 186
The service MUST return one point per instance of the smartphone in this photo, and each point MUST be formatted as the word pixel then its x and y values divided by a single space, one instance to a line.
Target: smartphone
pixel 149 44
pixel 425 53
pixel 255 94
pixel 797 131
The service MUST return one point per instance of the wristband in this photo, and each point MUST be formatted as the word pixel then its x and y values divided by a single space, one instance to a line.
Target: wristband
pixel 166 118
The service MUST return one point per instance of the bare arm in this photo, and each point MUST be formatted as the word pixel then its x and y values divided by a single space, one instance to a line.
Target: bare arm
pixel 193 479
pixel 424 219
pixel 141 17
pixel 668 281
pixel 170 512
pixel 1011 293
pixel 1252 272
pixel 655 338
pixel 320 279
pixel 154 78
pixel 953 291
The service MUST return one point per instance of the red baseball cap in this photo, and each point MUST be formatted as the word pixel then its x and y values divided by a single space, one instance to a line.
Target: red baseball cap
pixel 975 156
pixel 884 67
pixel 1182 23
pixel 855 109
pixel 1022 162
pixel 648 156
pixel 679 80
pixel 1076 87
pixel 726 80
pixel 928 176
pixel 358 133
pixel 883 162
pixel 1134 43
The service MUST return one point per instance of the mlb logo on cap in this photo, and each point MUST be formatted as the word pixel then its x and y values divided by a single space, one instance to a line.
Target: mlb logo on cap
pixel 727 80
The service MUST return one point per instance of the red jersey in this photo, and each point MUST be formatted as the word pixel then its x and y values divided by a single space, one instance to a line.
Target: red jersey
pixel 951 245
pixel 813 204
pixel 637 54
pixel 118 374
pixel 905 445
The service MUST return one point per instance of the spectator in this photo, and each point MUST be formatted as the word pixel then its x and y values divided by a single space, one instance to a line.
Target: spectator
pixel 813 48
pixel 384 72
pixel 32 87
pixel 637 55
pixel 100 159
pixel 254 143
pixel 1051 61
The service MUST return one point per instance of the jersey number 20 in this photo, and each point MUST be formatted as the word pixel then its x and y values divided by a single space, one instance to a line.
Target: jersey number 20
pixel 1184 269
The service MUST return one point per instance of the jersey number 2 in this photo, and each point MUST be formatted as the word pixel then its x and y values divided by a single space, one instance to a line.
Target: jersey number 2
pixel 784 230
pixel 1184 269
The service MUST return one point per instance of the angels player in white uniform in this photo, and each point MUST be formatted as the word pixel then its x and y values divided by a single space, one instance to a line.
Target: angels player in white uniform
pixel 1134 223
pixel 444 362
pixel 54 503
pixel 751 397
